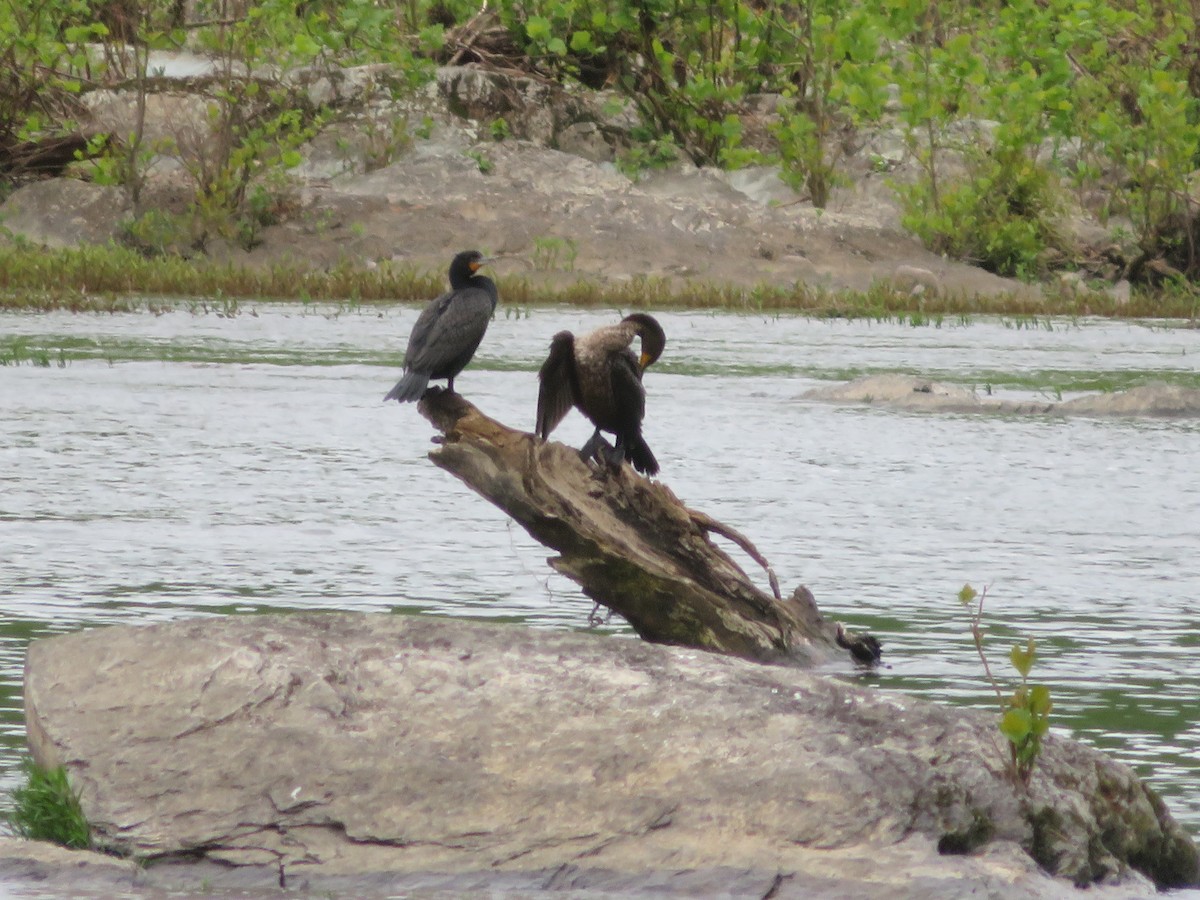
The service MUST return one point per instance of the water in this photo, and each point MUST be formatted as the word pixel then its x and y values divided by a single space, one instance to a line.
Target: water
pixel 156 467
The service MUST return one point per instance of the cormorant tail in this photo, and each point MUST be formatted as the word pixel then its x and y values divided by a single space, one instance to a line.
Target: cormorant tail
pixel 409 388
pixel 638 452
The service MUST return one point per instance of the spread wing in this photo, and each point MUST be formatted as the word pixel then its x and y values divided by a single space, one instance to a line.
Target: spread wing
pixel 448 329
pixel 557 377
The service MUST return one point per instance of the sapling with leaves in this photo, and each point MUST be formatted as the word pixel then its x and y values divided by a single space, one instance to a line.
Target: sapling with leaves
pixel 1025 715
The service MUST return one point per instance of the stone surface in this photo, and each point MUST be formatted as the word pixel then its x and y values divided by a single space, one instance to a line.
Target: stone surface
pixel 907 871
pixel 1144 400
pixel 912 392
pixel 63 212
pixel 340 751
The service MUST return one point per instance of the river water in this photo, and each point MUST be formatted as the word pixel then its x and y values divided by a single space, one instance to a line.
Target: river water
pixel 191 463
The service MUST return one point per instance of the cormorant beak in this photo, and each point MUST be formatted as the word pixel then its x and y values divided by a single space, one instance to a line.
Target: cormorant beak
pixel 479 263
pixel 645 360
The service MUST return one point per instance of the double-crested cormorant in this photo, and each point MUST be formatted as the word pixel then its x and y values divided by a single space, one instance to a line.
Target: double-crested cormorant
pixel 449 329
pixel 865 648
pixel 599 375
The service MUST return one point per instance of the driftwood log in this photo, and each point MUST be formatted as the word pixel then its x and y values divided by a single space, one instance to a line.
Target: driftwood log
pixel 632 546
pixel 46 156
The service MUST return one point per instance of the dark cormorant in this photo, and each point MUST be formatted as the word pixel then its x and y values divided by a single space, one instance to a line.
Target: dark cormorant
pixel 601 377
pixel 865 648
pixel 449 329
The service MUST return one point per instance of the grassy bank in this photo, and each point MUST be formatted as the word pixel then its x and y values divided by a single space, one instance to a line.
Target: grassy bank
pixel 113 279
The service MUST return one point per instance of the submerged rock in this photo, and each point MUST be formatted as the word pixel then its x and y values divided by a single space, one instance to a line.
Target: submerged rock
pixel 357 752
pixel 902 391
pixel 1164 400
pixel 912 392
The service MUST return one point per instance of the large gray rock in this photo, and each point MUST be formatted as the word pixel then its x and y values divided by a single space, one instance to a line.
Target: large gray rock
pixel 63 212
pixel 348 751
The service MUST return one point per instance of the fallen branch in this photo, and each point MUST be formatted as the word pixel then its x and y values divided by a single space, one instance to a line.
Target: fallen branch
pixel 628 542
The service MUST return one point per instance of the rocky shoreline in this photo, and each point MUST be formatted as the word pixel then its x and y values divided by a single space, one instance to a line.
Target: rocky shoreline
pixel 552 215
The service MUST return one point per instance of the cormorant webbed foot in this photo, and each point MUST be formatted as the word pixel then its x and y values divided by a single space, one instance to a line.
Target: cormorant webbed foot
pixel 613 456
pixel 599 450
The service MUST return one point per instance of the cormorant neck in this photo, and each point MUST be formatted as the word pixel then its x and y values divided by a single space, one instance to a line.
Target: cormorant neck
pixel 486 284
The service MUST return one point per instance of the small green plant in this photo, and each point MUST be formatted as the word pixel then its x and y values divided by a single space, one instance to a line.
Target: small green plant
pixel 550 253
pixel 157 233
pixel 500 129
pixel 808 163
pixel 46 808
pixel 386 139
pixel 424 130
pixel 647 153
pixel 1024 716
pixel 481 159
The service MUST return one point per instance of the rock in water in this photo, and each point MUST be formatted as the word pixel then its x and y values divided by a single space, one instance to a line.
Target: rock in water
pixel 331 749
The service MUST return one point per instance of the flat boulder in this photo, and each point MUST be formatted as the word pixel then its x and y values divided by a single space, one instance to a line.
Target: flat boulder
pixel 1155 400
pixel 912 392
pixel 901 391
pixel 363 753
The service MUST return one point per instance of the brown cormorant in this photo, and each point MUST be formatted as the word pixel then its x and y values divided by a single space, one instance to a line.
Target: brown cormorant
pixel 449 329
pixel 600 376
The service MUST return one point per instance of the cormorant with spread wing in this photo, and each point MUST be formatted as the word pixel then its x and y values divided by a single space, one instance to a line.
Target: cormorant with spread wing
pixel 600 376
pixel 448 331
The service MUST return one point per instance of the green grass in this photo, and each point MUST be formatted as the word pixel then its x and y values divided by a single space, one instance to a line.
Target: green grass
pixel 116 279
pixel 45 808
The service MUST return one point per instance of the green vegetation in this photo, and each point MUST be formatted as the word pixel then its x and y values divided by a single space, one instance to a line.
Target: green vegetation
pixel 1018 113
pixel 1010 108
pixel 551 253
pixel 254 120
pixel 1025 715
pixel 482 160
pixel 114 279
pixel 45 808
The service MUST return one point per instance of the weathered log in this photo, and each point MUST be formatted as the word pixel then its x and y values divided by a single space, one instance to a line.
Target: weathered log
pixel 47 156
pixel 629 542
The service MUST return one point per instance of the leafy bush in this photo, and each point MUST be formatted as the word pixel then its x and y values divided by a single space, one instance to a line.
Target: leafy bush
pixel 1003 215
pixel 1100 96
pixel 44 62
pixel 686 68
pixel 838 80
pixel 257 115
